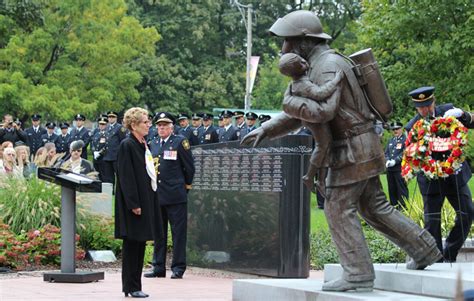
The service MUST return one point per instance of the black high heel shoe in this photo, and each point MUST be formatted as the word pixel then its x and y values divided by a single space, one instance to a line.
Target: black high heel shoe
pixel 137 294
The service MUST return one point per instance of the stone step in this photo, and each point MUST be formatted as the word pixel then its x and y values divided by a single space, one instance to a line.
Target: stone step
pixel 438 280
pixel 306 290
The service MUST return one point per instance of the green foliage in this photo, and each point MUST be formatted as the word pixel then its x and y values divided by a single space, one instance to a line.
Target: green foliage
pixel 323 251
pixel 420 43
pixel 75 60
pixel 33 248
pixel 31 204
pixel 97 233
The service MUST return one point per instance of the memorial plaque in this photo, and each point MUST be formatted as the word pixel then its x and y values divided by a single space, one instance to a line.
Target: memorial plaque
pixel 248 208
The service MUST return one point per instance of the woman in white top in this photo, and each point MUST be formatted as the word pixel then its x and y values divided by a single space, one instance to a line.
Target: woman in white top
pixel 9 166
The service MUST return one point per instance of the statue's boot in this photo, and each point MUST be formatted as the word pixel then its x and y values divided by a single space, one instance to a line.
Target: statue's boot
pixel 341 285
pixel 428 256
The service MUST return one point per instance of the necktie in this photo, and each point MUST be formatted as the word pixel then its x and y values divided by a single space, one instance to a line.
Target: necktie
pixel 162 143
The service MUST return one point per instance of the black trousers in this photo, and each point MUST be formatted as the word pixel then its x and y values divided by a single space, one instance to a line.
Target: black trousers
pixel 177 216
pixel 461 201
pixel 99 167
pixel 133 253
pixel 397 188
pixel 110 170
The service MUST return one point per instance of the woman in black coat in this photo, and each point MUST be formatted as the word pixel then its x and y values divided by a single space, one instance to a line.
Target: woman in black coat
pixel 137 212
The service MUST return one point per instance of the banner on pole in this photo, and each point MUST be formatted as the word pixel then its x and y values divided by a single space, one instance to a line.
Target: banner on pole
pixel 253 70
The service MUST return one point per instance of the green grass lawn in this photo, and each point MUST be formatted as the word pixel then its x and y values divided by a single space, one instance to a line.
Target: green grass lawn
pixel 318 220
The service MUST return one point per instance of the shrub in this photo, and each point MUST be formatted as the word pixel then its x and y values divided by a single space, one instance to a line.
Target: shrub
pixel 31 204
pixel 97 233
pixel 32 248
pixel 323 251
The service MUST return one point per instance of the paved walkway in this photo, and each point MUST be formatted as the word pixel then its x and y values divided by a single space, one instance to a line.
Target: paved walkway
pixel 197 284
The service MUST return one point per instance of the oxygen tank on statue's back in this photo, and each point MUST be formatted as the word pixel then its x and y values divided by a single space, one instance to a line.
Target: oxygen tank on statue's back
pixel 371 80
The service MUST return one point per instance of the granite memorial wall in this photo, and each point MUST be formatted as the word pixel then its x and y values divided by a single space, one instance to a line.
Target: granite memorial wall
pixel 248 210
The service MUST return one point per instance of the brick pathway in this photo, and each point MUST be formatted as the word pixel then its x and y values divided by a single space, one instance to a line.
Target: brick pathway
pixel 197 284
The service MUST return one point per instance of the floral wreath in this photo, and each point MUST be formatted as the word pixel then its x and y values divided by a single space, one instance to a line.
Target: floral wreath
pixel 435 149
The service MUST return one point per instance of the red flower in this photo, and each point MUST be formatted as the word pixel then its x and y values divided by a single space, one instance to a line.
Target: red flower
pixel 456 152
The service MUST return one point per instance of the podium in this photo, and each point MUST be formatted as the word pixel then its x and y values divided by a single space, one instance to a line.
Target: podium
pixel 70 183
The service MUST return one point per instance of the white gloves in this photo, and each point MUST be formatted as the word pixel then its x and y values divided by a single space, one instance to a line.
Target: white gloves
pixel 96 155
pixel 390 163
pixel 453 112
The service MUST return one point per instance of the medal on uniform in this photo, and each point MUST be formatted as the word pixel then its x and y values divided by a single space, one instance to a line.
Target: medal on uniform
pixel 170 155
pixel 399 146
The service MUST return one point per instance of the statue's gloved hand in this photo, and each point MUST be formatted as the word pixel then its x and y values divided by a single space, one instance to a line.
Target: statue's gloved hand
pixel 453 112
pixel 255 136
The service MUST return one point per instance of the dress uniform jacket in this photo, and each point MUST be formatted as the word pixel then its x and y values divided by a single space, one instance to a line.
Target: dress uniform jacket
pixel 250 128
pixel 242 130
pixel 62 143
pixel 397 187
pixel 45 138
pixel 175 168
pixel 187 133
pixel 209 135
pixel 84 135
pixel 115 134
pixel 34 138
pixel 134 190
pixel 433 186
pixel 230 134
pixel 197 133
pixel 394 151
pixel 99 143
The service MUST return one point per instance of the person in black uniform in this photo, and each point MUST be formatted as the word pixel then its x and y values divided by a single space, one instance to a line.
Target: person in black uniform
pixel 251 120
pixel 79 132
pixel 152 131
pixel 34 134
pixel 99 146
pixel 197 126
pixel 11 131
pixel 185 129
pixel 175 175
pixel 137 213
pixel 64 139
pixel 240 124
pixel 263 118
pixel 228 131
pixel 397 187
pixel 50 135
pixel 209 133
pixel 454 187
pixel 115 134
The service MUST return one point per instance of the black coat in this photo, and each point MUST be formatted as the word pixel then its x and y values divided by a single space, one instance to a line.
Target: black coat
pixel 34 138
pixel 133 190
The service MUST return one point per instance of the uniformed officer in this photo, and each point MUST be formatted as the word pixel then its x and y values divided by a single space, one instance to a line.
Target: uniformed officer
pixel 50 135
pixel 34 134
pixel 397 187
pixel 99 146
pixel 79 132
pixel 228 131
pixel 209 133
pixel 454 187
pixel 251 120
pixel 175 174
pixel 197 125
pixel 64 139
pixel 220 124
pixel 240 124
pixel 115 133
pixel 185 129
pixel 263 118
pixel 152 131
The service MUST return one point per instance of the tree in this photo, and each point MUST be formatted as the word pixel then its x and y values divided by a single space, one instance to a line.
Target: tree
pixel 76 58
pixel 421 43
